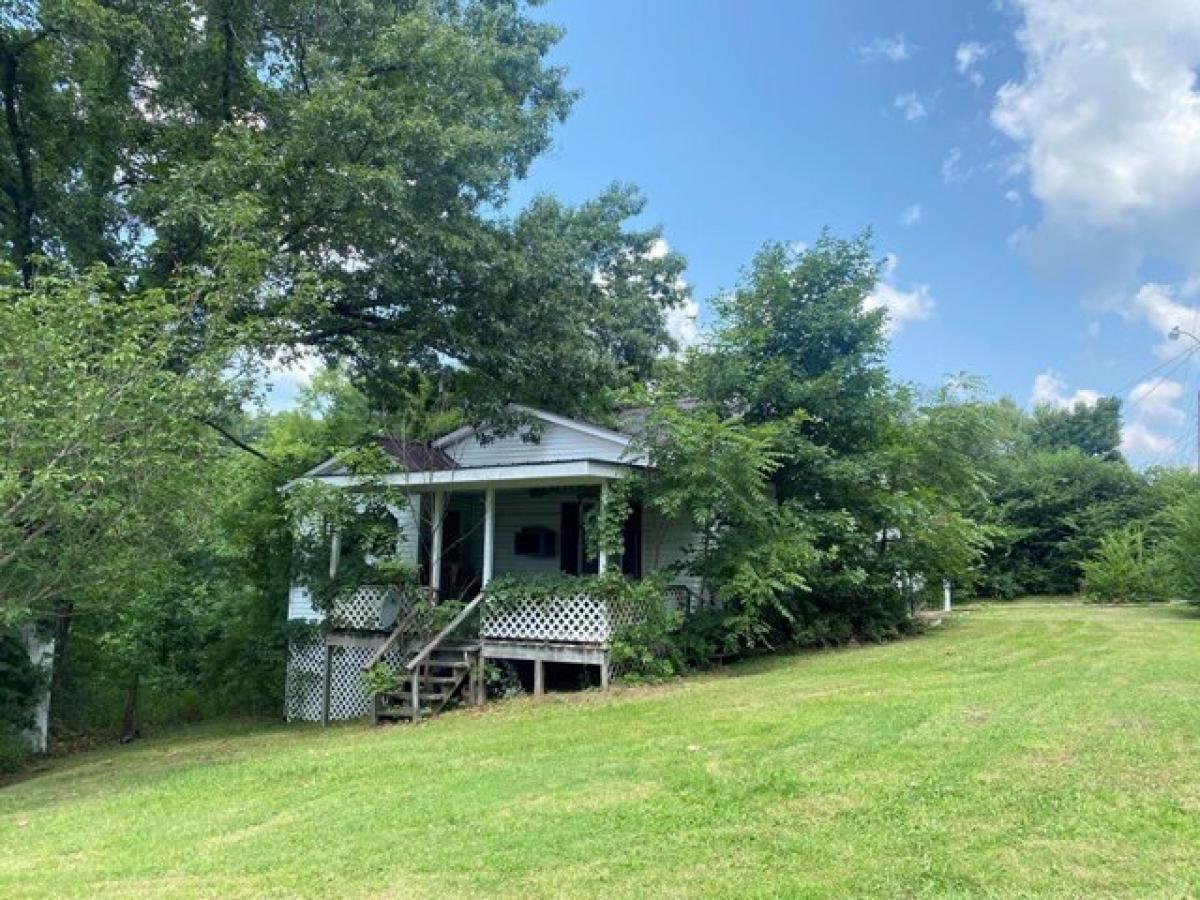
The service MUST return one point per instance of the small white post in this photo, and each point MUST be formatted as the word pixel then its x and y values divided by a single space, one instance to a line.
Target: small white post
pixel 435 542
pixel 489 534
pixel 335 553
pixel 602 561
pixel 946 595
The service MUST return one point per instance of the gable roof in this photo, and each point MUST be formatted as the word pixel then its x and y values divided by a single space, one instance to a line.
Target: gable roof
pixel 422 456
pixel 618 438
pixel 416 456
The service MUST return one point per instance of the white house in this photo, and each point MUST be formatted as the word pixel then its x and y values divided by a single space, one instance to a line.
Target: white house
pixel 478 508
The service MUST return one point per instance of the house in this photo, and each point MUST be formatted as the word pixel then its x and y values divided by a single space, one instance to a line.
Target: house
pixel 479 506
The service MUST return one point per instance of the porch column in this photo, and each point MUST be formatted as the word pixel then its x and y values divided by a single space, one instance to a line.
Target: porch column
pixel 489 534
pixel 335 552
pixel 602 561
pixel 435 541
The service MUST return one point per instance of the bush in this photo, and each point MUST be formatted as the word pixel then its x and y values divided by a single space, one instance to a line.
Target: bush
pixel 1181 549
pixel 20 683
pixel 15 752
pixel 1124 570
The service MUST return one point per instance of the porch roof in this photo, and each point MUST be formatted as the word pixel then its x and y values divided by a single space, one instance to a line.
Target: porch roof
pixel 516 475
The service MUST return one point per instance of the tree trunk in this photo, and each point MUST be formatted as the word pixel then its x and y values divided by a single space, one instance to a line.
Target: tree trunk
pixel 63 614
pixel 130 729
pixel 21 194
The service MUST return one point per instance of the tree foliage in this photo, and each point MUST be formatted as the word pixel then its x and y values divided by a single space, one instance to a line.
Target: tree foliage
pixel 356 157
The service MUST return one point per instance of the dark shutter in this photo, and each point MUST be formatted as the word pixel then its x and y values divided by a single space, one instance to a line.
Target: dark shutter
pixel 631 559
pixel 569 529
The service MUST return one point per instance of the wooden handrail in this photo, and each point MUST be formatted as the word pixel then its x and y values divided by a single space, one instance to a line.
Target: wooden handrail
pixel 416 661
pixel 393 637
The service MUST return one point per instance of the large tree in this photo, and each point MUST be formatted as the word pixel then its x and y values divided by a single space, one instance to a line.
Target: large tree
pixel 358 155
pixel 868 481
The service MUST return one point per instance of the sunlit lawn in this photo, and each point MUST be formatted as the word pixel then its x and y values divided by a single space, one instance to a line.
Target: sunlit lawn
pixel 1026 749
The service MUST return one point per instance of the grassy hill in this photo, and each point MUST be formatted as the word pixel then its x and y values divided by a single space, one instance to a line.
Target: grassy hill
pixel 1019 750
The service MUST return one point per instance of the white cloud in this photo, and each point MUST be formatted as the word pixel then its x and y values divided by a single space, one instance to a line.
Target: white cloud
pixel 903 307
pixel 911 215
pixel 893 49
pixel 1108 121
pixel 1140 442
pixel 287 375
pixel 1049 389
pixel 952 167
pixel 967 56
pixel 1157 305
pixel 911 106
pixel 1157 401
pixel 1150 407
pixel 681 321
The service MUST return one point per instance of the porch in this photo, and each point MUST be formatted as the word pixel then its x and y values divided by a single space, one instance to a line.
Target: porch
pixel 460 538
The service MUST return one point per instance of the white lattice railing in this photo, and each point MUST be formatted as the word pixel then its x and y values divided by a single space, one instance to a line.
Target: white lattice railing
pixel 579 618
pixel 373 607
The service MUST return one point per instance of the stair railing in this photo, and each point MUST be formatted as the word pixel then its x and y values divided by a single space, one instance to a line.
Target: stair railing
pixel 414 665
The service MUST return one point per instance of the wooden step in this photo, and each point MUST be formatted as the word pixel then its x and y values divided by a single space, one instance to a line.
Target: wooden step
pixel 402 699
pixel 401 712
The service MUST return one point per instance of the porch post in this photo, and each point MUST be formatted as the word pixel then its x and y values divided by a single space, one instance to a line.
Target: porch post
pixel 489 534
pixel 435 542
pixel 602 562
pixel 335 552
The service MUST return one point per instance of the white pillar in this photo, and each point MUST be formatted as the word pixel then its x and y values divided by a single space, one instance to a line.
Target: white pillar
pixel 335 553
pixel 489 534
pixel 435 541
pixel 946 595
pixel 602 561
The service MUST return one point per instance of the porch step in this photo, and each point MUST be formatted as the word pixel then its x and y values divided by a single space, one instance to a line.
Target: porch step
pixel 402 699
pixel 401 712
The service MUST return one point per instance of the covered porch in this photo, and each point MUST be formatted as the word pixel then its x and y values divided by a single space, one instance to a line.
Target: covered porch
pixel 461 529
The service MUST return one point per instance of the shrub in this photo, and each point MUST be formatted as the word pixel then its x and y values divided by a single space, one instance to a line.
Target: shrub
pixel 1181 549
pixel 501 681
pixel 20 682
pixel 1124 570
pixel 646 650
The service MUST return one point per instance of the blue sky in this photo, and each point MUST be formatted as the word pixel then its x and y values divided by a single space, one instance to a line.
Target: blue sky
pixel 1030 168
pixel 1027 164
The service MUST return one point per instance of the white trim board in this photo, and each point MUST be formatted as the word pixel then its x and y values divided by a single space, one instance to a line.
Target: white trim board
pixel 515 476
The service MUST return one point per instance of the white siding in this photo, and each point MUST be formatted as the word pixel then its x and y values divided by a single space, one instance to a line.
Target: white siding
pixel 300 605
pixel 300 602
pixel 557 444
pixel 409 522
pixel 516 510
pixel 666 542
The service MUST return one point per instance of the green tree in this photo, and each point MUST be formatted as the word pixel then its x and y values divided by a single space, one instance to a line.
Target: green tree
pixel 865 485
pixel 1125 569
pixel 1093 429
pixel 1050 509
pixel 355 160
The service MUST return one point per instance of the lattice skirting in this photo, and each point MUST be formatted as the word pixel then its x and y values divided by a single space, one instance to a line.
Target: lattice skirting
pixel 577 619
pixel 580 618
pixel 305 692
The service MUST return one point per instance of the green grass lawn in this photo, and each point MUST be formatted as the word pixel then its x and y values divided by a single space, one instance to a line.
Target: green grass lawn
pixel 1019 750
